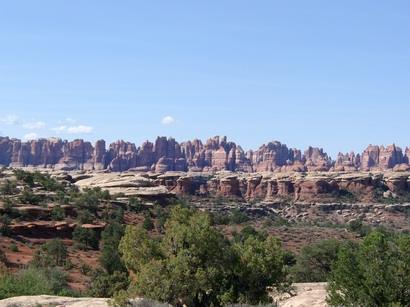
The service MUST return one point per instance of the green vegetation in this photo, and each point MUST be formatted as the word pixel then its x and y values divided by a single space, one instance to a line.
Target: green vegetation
pixel 36 178
pixel 57 213
pixel 13 247
pixel 181 256
pixel 52 253
pixel 358 227
pixel 234 218
pixel 9 187
pixel 148 224
pixel 314 262
pixel 4 225
pixel 373 273
pixel 34 281
pixel 193 263
pixel 85 238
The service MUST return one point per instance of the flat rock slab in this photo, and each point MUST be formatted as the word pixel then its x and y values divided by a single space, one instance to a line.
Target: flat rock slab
pixel 53 301
pixel 307 295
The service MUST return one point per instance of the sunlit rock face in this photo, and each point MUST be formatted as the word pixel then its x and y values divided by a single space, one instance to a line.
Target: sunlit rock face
pixel 216 154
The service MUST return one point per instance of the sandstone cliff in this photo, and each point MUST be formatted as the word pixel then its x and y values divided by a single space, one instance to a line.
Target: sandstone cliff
pixel 215 154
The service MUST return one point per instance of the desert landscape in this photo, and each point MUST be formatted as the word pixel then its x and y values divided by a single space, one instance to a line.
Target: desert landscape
pixel 204 153
pixel 52 188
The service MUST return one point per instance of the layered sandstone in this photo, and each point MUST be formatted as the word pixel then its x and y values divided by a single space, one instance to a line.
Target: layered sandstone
pixel 216 154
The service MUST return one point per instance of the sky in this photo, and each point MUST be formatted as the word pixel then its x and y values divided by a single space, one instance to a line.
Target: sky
pixel 331 74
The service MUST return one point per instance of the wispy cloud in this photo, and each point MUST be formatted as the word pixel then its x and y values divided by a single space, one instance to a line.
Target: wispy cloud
pixel 14 120
pixel 10 120
pixel 34 125
pixel 168 120
pixel 79 129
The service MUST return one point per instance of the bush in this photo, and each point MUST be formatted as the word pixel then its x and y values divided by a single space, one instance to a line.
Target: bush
pixel 135 205
pixel 148 224
pixel 85 238
pixel 45 180
pixel 314 262
pixel 238 217
pixel 3 258
pixel 249 231
pixel 52 253
pixel 13 247
pixel 28 197
pixel 358 227
pixel 110 258
pixel 194 264
pixel 373 273
pixel 104 284
pixel 5 225
pixel 58 213
pixel 8 187
pixel 33 281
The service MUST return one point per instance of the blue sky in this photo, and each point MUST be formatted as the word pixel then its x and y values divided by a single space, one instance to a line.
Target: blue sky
pixel 333 74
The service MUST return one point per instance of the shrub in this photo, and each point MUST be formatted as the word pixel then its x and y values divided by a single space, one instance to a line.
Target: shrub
pixel 58 213
pixel 33 281
pixel 5 225
pixel 104 284
pixel 148 224
pixel 314 262
pixel 238 217
pixel 13 247
pixel 85 238
pixel 110 258
pixel 249 231
pixel 45 180
pixel 373 273
pixel 3 258
pixel 8 187
pixel 358 227
pixel 194 264
pixel 135 204
pixel 28 197
pixel 52 253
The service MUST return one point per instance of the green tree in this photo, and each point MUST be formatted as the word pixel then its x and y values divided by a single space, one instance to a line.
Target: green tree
pixel 9 187
pixel 52 253
pixel 110 258
pixel 85 238
pixel 261 265
pixel 148 224
pixel 104 284
pixel 58 213
pixel 314 262
pixel 375 273
pixel 34 281
pixel 194 264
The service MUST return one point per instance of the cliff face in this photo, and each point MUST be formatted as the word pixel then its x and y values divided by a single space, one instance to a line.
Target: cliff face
pixel 215 155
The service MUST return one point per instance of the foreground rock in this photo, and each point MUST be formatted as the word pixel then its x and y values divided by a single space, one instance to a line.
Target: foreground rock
pixel 307 295
pixel 45 300
pixel 58 301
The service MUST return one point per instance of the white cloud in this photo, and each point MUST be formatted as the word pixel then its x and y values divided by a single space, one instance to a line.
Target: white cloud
pixel 30 136
pixel 34 125
pixel 80 129
pixel 168 120
pixel 10 120
pixel 68 121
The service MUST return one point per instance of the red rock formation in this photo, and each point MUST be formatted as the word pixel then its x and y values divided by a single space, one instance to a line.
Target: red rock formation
pixel 215 155
pixel 390 157
pixel 370 157
pixel 123 156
